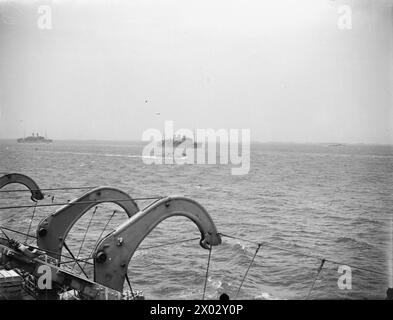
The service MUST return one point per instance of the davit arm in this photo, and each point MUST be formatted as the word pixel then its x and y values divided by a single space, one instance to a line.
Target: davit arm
pixel 36 193
pixel 53 230
pixel 115 251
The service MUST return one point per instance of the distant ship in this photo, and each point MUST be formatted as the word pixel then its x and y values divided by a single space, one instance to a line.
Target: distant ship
pixel 336 145
pixel 175 140
pixel 34 138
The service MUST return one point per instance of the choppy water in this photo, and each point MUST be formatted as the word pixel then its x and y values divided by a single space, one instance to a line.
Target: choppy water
pixel 334 202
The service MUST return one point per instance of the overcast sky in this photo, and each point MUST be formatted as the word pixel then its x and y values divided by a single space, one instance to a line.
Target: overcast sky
pixel 282 68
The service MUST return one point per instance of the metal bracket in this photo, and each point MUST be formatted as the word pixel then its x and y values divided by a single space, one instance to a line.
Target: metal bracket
pixel 111 259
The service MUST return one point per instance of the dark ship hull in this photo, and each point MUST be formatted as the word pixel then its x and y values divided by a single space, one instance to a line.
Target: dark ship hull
pixel 34 140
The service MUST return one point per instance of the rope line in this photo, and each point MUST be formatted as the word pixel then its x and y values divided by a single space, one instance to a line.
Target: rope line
pixel 248 269
pixel 80 202
pixel 207 272
pixel 85 260
pixel 129 284
pixel 19 232
pixel 90 256
pixel 102 232
pixel 169 243
pixel 31 220
pixel 35 247
pixel 316 277
pixel 76 260
pixel 267 244
pixel 84 236
pixel 47 189
pixel 294 252
pixel 12 198
pixel 152 203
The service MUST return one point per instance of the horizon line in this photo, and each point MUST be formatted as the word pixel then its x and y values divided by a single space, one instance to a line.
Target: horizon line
pixel 252 141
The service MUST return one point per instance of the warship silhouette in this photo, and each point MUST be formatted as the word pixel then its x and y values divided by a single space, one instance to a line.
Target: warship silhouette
pixel 34 138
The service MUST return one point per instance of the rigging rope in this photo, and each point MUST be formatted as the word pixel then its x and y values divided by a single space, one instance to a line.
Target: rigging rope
pixel 19 232
pixel 4 234
pixel 129 284
pixel 47 189
pixel 167 244
pixel 76 260
pixel 35 247
pixel 19 197
pixel 207 272
pixel 80 202
pixel 31 220
pixel 85 260
pixel 99 238
pixel 155 200
pixel 248 269
pixel 102 232
pixel 236 238
pixel 84 237
pixel 316 277
pixel 267 244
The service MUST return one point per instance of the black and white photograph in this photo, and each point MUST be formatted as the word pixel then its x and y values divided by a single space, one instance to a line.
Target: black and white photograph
pixel 196 150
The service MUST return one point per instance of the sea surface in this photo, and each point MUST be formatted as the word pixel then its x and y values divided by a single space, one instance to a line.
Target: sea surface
pixel 303 202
